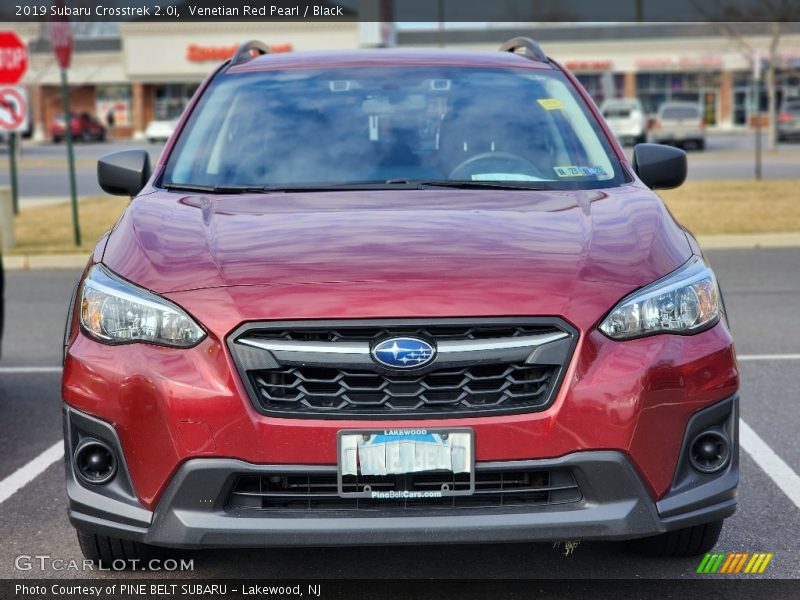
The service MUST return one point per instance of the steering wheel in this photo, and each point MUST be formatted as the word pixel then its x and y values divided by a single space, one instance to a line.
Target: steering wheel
pixel 508 163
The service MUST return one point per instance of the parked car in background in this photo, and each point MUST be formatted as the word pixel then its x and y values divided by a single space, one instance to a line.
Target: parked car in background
pixel 680 124
pixel 160 131
pixel 789 120
pixel 85 128
pixel 626 119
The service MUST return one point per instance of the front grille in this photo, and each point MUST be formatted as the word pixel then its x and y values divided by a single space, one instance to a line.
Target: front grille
pixel 324 368
pixel 494 488
pixel 298 389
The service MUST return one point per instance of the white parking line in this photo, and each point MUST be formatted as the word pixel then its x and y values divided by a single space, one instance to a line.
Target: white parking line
pixel 772 464
pixel 27 473
pixel 13 370
pixel 768 357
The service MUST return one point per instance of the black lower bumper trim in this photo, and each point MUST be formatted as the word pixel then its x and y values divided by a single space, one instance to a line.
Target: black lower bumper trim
pixel 616 505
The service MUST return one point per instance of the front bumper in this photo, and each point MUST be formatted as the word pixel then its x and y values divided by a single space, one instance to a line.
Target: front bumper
pixel 615 503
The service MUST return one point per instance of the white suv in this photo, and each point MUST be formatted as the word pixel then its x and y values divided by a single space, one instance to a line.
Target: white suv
pixel 626 119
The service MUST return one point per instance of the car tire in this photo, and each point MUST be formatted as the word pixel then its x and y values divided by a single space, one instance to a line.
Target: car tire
pixel 113 552
pixel 700 145
pixel 689 541
pixel 56 140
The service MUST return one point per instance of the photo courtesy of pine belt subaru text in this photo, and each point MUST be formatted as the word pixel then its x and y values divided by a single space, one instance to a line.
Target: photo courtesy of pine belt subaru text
pixel 397 297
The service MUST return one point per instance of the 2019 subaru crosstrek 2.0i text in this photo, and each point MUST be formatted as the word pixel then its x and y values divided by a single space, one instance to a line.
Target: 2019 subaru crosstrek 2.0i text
pixel 390 297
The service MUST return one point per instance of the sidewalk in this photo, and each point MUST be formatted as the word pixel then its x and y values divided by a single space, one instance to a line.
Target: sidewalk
pixel 707 242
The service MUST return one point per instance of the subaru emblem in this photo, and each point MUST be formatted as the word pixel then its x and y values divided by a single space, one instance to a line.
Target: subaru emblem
pixel 403 353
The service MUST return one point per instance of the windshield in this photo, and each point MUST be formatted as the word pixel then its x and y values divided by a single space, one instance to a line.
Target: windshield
pixel 336 127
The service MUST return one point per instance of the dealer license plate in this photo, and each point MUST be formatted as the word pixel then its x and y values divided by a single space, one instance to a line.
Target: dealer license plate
pixel 396 455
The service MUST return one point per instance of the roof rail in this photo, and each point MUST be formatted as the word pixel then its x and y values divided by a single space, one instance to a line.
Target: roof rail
pixel 245 52
pixel 530 48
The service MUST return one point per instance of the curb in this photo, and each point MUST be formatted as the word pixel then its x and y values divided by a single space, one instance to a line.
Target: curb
pixel 34 262
pixel 724 241
pixel 741 241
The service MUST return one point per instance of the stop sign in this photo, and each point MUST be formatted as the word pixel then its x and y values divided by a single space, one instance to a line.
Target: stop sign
pixel 13 58
pixel 61 40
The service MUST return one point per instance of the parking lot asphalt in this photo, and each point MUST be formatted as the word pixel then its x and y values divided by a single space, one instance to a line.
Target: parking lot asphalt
pixel 762 293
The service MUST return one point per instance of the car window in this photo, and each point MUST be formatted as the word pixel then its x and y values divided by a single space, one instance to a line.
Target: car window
pixel 792 106
pixel 680 112
pixel 618 112
pixel 349 126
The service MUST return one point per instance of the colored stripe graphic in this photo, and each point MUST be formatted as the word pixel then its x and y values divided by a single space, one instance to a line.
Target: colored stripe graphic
pixel 764 564
pixel 728 562
pixel 734 562
pixel 715 563
pixel 741 562
pixel 704 563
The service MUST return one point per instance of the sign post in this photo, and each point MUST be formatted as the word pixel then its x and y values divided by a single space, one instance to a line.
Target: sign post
pixel 13 104
pixel 13 118
pixel 757 110
pixel 61 40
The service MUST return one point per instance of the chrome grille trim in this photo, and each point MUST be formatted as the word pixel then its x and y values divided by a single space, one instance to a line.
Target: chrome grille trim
pixel 444 347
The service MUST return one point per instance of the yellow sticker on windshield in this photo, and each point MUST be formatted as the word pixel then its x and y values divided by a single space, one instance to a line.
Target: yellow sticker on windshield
pixel 550 103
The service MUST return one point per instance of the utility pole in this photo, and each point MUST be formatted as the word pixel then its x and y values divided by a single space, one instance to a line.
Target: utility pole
pixel 757 111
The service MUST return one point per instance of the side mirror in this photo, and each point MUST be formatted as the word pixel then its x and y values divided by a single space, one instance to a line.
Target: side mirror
pixel 124 173
pixel 658 166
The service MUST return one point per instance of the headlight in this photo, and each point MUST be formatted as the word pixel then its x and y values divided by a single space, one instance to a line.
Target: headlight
pixel 685 301
pixel 114 311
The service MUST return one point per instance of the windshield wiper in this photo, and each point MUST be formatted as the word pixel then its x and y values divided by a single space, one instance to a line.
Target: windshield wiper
pixel 339 187
pixel 290 188
pixel 390 184
pixel 473 184
pixel 216 189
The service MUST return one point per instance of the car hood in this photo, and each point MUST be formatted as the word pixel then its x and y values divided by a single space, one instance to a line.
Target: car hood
pixel 554 244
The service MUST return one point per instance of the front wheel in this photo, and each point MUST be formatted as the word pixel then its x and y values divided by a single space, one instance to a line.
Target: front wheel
pixel 115 552
pixel 689 541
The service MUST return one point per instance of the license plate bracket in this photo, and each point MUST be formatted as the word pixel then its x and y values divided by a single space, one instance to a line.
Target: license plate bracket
pixel 408 463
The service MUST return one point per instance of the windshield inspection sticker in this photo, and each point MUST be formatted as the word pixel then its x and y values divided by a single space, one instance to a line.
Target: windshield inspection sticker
pixel 574 171
pixel 550 103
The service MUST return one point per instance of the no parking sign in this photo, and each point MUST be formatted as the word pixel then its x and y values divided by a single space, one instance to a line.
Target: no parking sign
pixel 13 109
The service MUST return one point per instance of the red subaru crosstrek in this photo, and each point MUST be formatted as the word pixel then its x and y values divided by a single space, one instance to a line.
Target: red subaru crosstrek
pixel 397 297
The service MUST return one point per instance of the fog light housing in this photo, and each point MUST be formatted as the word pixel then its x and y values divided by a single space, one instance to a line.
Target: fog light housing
pixel 710 451
pixel 95 462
